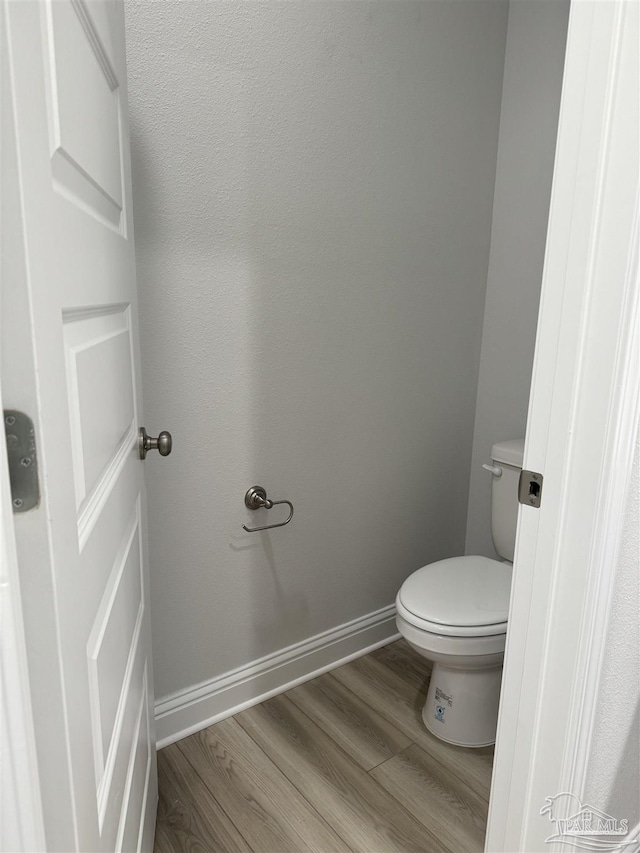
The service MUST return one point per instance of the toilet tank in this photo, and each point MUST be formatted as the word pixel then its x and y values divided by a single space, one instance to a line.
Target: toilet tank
pixel 507 456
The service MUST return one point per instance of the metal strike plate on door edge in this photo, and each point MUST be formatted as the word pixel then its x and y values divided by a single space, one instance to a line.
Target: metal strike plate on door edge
pixel 530 488
pixel 23 460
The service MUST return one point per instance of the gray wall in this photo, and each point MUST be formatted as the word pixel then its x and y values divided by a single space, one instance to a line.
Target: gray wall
pixel 528 127
pixel 613 774
pixel 313 185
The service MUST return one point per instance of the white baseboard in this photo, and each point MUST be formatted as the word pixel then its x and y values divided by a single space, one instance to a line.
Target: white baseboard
pixel 195 708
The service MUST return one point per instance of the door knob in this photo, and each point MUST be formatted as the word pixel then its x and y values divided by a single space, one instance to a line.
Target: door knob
pixel 162 443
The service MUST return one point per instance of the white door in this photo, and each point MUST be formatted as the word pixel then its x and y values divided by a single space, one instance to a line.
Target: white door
pixel 71 362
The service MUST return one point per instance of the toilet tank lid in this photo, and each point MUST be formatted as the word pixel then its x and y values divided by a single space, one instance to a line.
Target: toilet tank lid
pixel 509 452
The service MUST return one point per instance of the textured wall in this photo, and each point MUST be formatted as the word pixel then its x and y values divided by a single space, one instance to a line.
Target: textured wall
pixel 528 127
pixel 313 184
pixel 613 778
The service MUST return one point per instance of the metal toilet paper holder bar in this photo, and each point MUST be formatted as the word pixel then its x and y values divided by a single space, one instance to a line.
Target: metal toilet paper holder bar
pixel 256 498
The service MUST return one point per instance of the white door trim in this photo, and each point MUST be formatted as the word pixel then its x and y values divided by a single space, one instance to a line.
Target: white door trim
pixel 581 433
pixel 21 817
pixel 622 429
pixel 21 822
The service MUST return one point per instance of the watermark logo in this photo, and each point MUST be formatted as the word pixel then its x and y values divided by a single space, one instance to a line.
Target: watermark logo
pixel 581 825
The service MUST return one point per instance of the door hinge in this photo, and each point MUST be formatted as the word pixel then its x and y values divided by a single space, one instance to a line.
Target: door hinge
pixel 530 488
pixel 23 460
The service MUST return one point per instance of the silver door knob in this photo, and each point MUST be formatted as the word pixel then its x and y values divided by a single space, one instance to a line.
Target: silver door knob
pixel 162 443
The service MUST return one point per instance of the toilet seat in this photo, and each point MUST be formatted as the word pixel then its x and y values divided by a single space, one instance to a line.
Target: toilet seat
pixel 451 630
pixel 458 597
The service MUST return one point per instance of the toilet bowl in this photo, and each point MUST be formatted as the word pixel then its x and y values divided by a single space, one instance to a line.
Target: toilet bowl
pixel 454 613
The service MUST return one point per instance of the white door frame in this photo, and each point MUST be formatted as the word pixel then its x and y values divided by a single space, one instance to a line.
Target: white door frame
pixel 21 823
pixel 581 432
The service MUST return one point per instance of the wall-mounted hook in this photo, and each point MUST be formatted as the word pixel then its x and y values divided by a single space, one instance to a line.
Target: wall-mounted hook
pixel 256 498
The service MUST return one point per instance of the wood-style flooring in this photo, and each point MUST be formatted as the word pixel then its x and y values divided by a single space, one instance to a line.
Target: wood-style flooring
pixel 341 763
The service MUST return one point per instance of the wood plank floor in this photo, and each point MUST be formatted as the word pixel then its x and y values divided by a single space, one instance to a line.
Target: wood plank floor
pixel 341 763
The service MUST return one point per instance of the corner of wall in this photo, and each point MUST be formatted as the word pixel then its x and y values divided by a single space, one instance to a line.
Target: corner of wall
pixel 532 84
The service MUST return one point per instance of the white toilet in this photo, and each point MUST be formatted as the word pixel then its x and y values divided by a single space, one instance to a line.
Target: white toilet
pixel 454 613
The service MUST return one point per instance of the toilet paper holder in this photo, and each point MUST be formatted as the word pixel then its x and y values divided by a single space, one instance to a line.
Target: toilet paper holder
pixel 256 498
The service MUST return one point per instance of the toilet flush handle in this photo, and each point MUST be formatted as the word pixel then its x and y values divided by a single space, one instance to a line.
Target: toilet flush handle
pixel 493 469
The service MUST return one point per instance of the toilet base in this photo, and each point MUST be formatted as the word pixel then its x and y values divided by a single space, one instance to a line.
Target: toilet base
pixel 462 705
